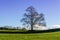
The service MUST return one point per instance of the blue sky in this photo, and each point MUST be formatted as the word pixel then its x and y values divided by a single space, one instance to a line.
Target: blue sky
pixel 11 11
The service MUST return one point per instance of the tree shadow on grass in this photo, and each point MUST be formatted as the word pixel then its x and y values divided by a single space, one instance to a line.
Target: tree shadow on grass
pixel 32 32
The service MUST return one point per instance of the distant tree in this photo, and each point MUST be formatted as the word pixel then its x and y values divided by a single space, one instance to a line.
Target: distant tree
pixel 31 17
pixel 23 28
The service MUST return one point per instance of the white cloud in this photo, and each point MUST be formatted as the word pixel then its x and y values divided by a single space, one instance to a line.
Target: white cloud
pixel 46 28
pixel 37 27
pixel 55 26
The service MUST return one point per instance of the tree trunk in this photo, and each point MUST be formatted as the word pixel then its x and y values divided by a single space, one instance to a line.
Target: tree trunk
pixel 31 27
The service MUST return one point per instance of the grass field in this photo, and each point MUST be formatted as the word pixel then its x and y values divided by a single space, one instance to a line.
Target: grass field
pixel 33 36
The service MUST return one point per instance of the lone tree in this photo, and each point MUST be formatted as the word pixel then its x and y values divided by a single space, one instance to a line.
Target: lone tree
pixel 31 18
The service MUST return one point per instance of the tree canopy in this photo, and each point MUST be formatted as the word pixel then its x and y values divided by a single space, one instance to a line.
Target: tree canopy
pixel 31 18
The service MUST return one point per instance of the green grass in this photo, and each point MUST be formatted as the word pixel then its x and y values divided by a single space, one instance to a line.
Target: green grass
pixel 36 36
pixel 12 31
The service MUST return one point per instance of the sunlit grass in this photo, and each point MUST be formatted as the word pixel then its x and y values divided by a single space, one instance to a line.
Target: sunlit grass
pixel 36 36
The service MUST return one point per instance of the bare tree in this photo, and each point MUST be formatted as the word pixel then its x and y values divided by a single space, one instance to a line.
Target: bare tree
pixel 31 17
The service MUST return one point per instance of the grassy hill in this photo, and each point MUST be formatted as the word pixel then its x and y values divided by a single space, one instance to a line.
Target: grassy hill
pixel 32 36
